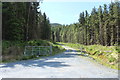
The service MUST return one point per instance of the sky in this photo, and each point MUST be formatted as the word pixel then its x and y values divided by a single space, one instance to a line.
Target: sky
pixel 67 12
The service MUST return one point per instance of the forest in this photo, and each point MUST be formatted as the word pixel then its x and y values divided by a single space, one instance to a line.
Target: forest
pixel 23 22
pixel 23 25
pixel 101 26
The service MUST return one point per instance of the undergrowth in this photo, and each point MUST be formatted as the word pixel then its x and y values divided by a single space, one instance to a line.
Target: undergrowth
pixel 14 50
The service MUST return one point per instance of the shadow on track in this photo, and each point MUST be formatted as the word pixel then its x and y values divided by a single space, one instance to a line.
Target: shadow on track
pixel 44 61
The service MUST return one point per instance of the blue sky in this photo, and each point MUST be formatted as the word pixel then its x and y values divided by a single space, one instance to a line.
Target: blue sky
pixel 67 12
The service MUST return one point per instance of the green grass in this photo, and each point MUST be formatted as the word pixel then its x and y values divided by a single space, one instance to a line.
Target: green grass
pixel 106 55
pixel 13 50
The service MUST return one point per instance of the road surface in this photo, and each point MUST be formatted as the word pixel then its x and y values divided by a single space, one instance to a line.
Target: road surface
pixel 69 64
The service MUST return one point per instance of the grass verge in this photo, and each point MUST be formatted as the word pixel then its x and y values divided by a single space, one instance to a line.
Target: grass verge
pixel 106 55
pixel 14 50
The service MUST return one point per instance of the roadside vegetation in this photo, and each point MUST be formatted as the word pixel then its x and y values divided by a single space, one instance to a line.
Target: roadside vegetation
pixel 14 51
pixel 23 25
pixel 106 55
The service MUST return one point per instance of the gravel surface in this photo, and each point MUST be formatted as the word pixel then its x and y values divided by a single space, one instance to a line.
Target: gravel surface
pixel 69 64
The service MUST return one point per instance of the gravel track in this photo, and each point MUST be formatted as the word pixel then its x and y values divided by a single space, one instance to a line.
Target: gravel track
pixel 69 64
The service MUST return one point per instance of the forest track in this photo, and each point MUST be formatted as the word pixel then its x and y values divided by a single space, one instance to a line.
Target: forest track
pixel 69 64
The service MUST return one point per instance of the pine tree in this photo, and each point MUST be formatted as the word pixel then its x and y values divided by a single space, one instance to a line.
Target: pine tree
pixel 105 27
pixel 100 17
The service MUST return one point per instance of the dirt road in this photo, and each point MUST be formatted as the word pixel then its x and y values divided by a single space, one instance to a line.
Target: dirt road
pixel 69 64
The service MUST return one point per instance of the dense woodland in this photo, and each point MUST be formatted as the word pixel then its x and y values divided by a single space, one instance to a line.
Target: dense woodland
pixel 101 26
pixel 21 21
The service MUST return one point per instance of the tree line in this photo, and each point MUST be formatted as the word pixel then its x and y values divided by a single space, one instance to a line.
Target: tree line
pixel 21 21
pixel 101 26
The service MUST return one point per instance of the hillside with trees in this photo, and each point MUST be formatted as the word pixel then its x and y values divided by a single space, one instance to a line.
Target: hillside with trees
pixel 101 26
pixel 55 24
